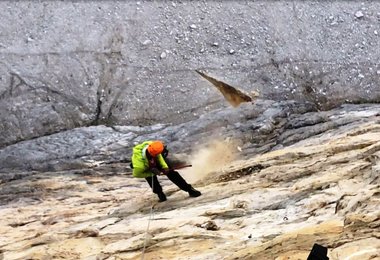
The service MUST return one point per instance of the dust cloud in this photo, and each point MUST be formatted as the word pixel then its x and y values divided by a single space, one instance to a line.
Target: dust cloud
pixel 210 157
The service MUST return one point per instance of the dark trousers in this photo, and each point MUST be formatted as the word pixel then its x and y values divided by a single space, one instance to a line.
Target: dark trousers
pixel 174 177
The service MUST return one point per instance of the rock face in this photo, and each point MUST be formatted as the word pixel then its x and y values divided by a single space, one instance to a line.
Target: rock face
pixel 296 178
pixel 68 64
pixel 83 81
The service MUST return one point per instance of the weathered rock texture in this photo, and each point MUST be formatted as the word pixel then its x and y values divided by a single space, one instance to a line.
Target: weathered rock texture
pixel 66 64
pixel 82 81
pixel 258 127
pixel 314 179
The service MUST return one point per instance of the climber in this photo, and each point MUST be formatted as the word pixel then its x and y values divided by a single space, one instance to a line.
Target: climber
pixel 148 161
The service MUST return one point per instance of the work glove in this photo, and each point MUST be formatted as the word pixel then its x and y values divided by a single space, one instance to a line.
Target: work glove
pixel 165 171
pixel 155 171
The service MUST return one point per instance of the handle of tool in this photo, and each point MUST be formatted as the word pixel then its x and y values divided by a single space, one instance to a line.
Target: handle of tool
pixel 182 166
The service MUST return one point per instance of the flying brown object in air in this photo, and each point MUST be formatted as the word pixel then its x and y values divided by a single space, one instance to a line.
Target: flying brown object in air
pixel 234 96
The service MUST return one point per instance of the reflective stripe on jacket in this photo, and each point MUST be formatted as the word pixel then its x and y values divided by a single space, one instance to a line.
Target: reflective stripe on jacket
pixel 140 161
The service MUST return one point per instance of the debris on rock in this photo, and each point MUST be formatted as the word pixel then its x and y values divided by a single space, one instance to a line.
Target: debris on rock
pixel 359 14
pixel 209 225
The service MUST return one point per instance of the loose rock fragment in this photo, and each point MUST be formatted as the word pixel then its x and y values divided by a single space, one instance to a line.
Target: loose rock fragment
pixel 209 225
pixel 359 14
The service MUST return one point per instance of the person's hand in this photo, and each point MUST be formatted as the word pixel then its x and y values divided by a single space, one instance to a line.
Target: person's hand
pixel 165 171
pixel 155 171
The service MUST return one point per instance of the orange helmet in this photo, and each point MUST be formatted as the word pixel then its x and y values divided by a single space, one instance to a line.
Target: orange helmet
pixel 155 148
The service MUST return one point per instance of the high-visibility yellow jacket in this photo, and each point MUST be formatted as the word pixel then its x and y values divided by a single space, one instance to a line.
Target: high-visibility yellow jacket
pixel 140 161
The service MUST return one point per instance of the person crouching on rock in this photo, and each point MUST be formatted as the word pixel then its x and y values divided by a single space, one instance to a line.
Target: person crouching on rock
pixel 148 162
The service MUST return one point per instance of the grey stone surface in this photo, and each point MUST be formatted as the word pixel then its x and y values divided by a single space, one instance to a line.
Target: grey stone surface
pixel 68 64
pixel 262 127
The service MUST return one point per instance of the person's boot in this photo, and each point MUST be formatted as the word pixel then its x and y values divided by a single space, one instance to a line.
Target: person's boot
pixel 161 196
pixel 194 193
